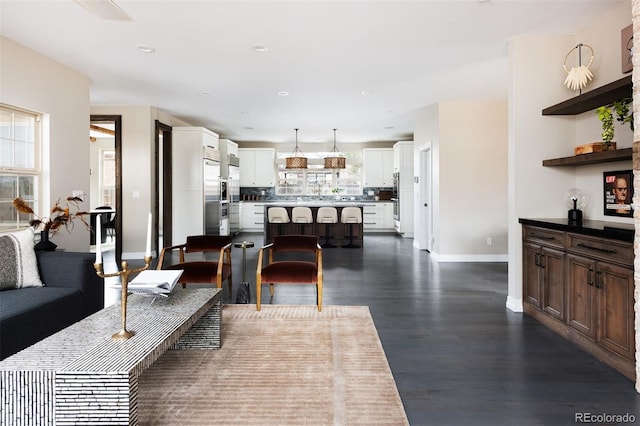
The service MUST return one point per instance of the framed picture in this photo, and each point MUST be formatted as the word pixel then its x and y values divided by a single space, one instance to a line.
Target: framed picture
pixel 626 41
pixel 618 193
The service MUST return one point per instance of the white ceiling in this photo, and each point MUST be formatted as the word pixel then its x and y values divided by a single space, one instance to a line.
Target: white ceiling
pixel 403 55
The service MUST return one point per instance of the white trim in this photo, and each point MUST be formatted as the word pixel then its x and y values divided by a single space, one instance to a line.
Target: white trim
pixel 514 305
pixel 469 257
pixel 139 255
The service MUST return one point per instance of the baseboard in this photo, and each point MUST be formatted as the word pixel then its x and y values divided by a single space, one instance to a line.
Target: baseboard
pixel 514 305
pixel 469 257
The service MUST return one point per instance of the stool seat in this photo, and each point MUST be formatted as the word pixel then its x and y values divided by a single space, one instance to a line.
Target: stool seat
pixel 278 216
pixel 302 215
pixel 350 216
pixel 328 216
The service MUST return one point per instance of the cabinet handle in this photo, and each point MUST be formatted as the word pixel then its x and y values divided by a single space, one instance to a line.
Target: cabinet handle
pixel 537 261
pixel 598 279
pixel 590 277
pixel 543 237
pixel 586 246
pixel 541 260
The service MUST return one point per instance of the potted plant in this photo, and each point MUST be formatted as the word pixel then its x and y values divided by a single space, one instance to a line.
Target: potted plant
pixel 621 112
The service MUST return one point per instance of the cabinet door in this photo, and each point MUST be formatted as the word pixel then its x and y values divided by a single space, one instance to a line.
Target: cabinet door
pixel 265 167
pixel 581 302
pixel 531 274
pixel 372 174
pixel 616 317
pixel 247 167
pixel 387 167
pixel 553 290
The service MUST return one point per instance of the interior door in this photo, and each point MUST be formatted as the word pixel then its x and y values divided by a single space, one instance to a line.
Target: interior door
pixel 163 229
pixel 425 202
pixel 113 123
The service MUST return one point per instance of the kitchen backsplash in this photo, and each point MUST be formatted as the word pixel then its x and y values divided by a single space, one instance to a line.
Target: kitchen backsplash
pixel 269 194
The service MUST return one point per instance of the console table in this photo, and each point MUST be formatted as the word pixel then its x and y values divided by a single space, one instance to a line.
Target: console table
pixel 82 376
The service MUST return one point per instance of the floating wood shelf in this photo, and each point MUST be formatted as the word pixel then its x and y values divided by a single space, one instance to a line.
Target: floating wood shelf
pixel 592 158
pixel 604 95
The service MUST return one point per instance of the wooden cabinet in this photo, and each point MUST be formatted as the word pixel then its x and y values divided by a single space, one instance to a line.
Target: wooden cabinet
pixel 581 286
pixel 377 167
pixel 543 266
pixel 257 167
pixel 600 293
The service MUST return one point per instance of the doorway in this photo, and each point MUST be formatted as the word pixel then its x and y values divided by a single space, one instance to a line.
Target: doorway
pixel 425 202
pixel 105 132
pixel 163 184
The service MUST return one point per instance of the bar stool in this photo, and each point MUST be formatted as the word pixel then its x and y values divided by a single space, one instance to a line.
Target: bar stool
pixel 328 216
pixel 302 215
pixel 351 215
pixel 279 216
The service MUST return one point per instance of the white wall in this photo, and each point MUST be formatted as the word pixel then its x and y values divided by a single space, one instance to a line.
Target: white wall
pixel 468 140
pixel 536 82
pixel 35 82
pixel 138 170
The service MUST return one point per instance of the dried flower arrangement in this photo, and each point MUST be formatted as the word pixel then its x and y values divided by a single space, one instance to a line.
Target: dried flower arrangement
pixel 63 213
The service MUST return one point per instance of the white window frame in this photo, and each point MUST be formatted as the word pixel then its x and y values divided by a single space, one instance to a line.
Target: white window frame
pixel 10 219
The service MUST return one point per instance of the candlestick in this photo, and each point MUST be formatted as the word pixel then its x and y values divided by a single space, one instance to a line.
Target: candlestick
pixel 98 238
pixel 147 252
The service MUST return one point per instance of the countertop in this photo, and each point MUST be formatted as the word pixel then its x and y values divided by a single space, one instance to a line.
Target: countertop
pixel 312 203
pixel 596 228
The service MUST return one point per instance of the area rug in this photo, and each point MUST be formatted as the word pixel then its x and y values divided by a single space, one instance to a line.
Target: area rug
pixel 284 365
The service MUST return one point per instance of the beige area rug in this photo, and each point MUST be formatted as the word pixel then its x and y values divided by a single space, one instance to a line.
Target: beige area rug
pixel 284 365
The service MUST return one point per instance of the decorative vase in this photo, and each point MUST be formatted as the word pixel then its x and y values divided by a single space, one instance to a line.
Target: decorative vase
pixel 45 244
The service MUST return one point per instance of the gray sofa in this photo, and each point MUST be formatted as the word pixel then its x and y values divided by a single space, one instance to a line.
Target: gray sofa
pixel 72 292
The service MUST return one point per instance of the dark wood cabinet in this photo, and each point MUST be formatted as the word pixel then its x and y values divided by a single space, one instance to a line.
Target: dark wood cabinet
pixel 582 287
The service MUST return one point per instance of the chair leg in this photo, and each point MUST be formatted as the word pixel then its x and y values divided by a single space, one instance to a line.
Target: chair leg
pixel 271 289
pixel 319 296
pixel 258 293
pixel 326 243
pixel 350 245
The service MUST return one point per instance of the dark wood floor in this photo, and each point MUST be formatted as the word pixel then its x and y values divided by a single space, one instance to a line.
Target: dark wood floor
pixel 458 356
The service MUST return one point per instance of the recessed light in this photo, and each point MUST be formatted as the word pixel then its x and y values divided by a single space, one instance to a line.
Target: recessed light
pixel 367 92
pixel 389 112
pixel 145 49
pixel 389 128
pixel 248 128
pixel 245 113
pixel 203 93
pixel 283 93
pixel 260 48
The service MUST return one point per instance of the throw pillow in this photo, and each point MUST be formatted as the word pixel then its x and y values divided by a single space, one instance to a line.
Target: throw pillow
pixel 18 263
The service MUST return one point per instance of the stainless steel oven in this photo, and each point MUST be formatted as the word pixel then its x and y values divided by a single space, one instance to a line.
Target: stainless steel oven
pixel 396 196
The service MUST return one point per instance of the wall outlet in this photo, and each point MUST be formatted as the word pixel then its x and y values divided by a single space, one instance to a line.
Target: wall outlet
pixel 489 241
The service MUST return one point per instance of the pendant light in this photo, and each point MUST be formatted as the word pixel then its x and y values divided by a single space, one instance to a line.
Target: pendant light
pixel 296 160
pixel 335 160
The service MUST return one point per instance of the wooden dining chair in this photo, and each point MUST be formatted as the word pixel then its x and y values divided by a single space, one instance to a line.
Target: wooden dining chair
pixel 200 270
pixel 282 269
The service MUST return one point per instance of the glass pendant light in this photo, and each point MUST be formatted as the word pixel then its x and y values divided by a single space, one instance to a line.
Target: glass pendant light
pixel 335 160
pixel 296 160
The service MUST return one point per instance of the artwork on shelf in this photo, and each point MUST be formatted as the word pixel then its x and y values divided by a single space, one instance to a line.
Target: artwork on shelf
pixel 618 193
pixel 627 48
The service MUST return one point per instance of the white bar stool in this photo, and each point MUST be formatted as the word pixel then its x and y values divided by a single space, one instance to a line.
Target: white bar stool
pixel 328 216
pixel 350 216
pixel 302 215
pixel 277 215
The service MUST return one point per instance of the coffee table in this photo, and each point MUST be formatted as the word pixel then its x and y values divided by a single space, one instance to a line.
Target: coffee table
pixel 81 375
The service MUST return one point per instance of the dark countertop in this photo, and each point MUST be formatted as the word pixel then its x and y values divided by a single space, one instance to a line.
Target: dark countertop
pixel 596 228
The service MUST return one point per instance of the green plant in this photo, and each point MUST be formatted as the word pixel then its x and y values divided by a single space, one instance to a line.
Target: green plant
pixel 620 111
pixel 337 190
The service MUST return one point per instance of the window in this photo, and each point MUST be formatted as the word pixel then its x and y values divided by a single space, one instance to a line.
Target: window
pixel 108 177
pixel 318 181
pixel 19 164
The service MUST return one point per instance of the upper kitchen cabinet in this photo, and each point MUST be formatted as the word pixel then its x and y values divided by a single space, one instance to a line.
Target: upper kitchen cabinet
pixel 257 167
pixel 403 162
pixel 377 170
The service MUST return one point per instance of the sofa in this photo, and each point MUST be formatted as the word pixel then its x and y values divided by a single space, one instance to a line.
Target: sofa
pixel 70 291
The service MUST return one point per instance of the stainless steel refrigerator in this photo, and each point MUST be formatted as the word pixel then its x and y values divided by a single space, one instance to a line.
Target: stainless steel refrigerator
pixel 212 201
pixel 234 195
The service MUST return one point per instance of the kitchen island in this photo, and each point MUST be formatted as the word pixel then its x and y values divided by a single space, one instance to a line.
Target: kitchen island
pixel 338 232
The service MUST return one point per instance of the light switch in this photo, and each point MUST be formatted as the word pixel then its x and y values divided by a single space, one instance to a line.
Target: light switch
pixel 136 194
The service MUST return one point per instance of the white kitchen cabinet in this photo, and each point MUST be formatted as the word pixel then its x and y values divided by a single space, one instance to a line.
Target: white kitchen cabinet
pixel 188 179
pixel 251 217
pixel 377 217
pixel 403 162
pixel 377 167
pixel 257 167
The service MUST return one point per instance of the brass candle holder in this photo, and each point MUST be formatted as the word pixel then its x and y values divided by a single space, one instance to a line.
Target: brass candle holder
pixel 124 279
